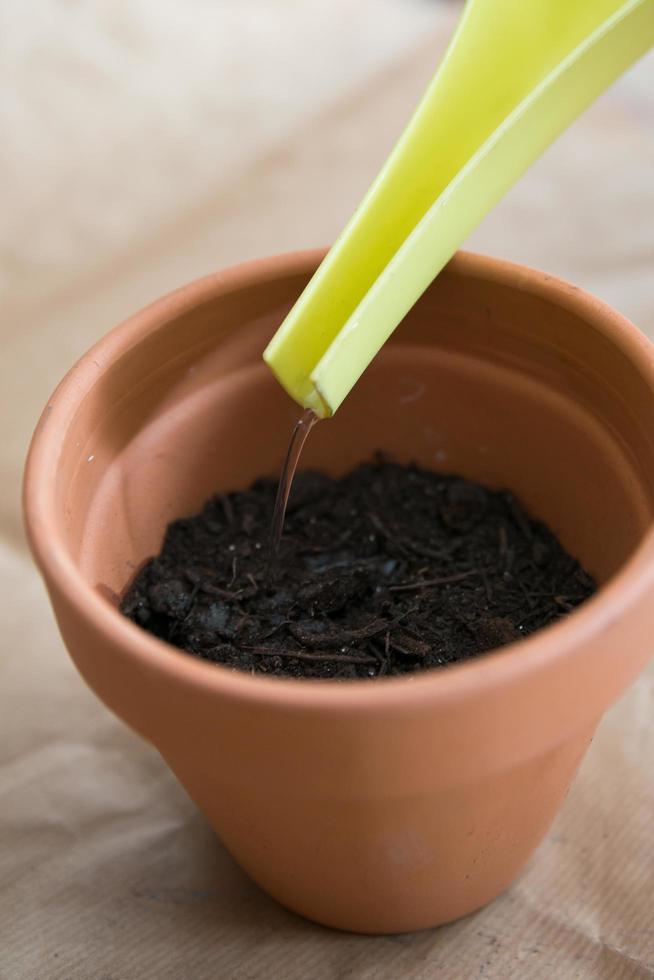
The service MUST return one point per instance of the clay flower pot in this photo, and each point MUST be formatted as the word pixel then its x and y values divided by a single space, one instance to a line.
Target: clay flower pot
pixel 394 804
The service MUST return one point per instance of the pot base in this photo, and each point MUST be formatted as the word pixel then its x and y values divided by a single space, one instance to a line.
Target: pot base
pixel 383 866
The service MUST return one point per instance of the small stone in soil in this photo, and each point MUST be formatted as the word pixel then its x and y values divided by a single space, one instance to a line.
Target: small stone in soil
pixel 388 570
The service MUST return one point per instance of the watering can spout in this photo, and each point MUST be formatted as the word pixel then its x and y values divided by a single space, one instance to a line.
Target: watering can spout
pixel 514 77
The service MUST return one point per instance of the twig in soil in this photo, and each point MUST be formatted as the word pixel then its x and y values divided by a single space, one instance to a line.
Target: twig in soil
pixel 528 597
pixel 405 544
pixel 385 657
pixel 313 638
pixel 341 658
pixel 192 599
pixel 402 545
pixel 414 648
pixel 209 589
pixel 487 587
pixel 228 509
pixel 428 583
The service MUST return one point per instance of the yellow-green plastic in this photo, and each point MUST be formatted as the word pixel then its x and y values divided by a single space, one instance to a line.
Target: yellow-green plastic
pixel 516 74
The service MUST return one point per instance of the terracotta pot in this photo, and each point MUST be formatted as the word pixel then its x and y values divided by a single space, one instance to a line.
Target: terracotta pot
pixel 394 804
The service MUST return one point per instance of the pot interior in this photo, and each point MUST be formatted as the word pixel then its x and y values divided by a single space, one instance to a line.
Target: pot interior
pixel 514 387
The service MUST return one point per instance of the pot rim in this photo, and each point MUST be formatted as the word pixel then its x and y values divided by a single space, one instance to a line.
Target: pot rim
pixel 615 600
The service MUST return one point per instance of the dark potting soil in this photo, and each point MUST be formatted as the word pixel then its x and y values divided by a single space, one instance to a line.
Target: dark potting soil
pixel 388 570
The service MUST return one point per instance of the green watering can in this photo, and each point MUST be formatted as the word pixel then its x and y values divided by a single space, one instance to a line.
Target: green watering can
pixel 516 74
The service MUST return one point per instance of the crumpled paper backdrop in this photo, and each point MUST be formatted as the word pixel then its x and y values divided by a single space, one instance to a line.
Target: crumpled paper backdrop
pixel 147 143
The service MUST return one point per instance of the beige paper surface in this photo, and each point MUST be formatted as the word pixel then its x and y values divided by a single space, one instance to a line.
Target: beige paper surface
pixel 128 170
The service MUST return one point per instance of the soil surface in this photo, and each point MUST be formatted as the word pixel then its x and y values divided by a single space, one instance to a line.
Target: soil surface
pixel 387 570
